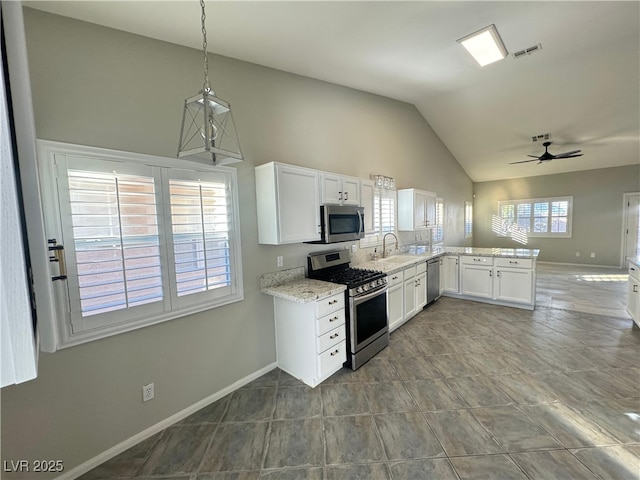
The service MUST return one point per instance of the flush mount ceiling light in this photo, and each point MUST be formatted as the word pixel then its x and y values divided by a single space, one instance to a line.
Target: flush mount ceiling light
pixel 485 45
pixel 208 131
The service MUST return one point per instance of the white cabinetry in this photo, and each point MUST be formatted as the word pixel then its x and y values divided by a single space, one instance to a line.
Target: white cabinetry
pixel 633 295
pixel 288 206
pixel 406 294
pixel 477 276
pixel 505 281
pixel 416 209
pixel 339 190
pixel 513 281
pixel 310 338
pixel 410 306
pixel 395 300
pixel 449 274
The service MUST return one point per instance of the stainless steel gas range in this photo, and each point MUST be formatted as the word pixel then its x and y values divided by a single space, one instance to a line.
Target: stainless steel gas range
pixel 367 323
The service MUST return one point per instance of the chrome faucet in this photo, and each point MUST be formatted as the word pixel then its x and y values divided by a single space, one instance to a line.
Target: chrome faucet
pixel 384 243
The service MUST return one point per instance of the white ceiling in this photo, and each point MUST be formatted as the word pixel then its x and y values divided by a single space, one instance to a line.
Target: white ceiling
pixel 583 87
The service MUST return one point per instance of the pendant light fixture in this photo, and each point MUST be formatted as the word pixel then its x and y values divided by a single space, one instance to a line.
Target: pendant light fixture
pixel 208 131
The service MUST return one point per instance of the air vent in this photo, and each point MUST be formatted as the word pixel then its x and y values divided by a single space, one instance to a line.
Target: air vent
pixel 528 51
pixel 541 138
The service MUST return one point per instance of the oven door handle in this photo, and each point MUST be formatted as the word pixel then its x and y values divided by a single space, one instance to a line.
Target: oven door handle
pixel 368 296
pixel 361 220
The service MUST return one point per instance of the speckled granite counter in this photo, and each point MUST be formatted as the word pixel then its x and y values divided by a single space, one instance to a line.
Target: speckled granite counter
pixel 292 285
pixel 422 255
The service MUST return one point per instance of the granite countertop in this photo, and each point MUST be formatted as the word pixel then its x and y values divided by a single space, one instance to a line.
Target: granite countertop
pixel 635 260
pixel 292 285
pixel 421 254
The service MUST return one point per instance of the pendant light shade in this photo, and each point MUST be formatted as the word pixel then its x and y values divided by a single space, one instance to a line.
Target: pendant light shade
pixel 208 131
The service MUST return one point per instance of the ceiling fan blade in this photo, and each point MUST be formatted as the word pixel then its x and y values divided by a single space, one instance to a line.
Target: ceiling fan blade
pixel 565 154
pixel 533 156
pixel 569 156
pixel 524 161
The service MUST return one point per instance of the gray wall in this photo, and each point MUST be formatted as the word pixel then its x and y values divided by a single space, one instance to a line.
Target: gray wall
pixel 106 88
pixel 597 212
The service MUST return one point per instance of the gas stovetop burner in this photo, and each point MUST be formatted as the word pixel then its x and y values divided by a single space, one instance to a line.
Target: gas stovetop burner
pixel 334 267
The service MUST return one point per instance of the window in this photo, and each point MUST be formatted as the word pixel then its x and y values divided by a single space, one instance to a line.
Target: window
pixel 438 232
pixel 538 217
pixel 384 217
pixel 468 219
pixel 144 243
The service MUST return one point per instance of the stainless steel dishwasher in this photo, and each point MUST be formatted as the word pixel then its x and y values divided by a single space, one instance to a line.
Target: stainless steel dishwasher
pixel 433 280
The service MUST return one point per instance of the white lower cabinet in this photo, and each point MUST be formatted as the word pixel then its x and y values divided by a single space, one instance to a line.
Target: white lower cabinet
pixel 311 337
pixel 406 294
pixel 510 281
pixel 395 300
pixel 477 276
pixel 633 294
pixel 449 274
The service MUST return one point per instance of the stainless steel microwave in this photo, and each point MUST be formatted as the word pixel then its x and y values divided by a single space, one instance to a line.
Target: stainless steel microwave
pixel 341 223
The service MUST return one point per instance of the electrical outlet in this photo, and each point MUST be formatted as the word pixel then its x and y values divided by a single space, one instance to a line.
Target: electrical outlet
pixel 354 248
pixel 280 261
pixel 593 254
pixel 147 392
pixel 577 254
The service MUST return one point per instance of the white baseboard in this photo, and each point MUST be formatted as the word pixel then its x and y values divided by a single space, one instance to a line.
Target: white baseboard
pixel 158 427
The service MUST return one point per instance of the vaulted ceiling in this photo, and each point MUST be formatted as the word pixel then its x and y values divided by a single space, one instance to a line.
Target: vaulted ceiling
pixel 582 87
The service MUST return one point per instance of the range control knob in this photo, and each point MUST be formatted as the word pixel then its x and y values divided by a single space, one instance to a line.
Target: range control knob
pixel 359 290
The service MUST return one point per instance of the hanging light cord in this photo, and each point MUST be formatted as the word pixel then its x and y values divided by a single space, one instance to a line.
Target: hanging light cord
pixel 207 86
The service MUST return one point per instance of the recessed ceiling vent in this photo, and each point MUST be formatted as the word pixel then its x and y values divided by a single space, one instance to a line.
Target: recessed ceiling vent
pixel 541 138
pixel 528 51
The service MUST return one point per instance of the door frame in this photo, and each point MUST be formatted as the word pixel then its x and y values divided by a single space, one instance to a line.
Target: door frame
pixel 625 212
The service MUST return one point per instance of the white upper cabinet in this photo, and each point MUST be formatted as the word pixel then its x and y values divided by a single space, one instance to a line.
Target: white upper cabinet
pixel 288 205
pixel 416 209
pixel 339 190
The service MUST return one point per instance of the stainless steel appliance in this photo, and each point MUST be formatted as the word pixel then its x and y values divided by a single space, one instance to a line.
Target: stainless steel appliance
pixel 367 324
pixel 341 223
pixel 433 280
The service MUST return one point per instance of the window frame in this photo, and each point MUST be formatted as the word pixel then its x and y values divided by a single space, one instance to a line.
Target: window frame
pixel 48 152
pixel 468 219
pixel 505 232
pixel 375 237
pixel 438 232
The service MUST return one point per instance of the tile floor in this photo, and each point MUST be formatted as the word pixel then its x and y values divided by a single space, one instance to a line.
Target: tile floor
pixel 464 391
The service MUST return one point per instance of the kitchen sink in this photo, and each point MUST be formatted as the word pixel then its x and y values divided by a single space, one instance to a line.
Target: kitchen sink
pixel 398 259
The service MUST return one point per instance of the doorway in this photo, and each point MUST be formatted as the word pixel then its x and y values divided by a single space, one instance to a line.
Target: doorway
pixel 631 227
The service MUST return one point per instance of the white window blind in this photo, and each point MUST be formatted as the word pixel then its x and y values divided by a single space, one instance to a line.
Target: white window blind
pixel 115 232
pixel 468 219
pixel 385 211
pixel 538 217
pixel 438 232
pixel 144 242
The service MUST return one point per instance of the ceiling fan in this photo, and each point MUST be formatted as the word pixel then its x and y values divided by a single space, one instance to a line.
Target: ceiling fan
pixel 546 156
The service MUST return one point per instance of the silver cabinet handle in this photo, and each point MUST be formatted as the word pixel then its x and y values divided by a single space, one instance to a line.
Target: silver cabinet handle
pixel 490 273
pixel 333 319
pixel 333 302
pixel 513 261
pixel 346 195
pixel 335 352
pixel 498 273
pixel 635 289
pixel 394 278
pixel 335 335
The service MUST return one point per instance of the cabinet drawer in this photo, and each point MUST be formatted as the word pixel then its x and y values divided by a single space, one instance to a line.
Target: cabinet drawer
pixel 331 338
pixel 330 304
pixel 421 268
pixel 469 260
pixel 394 279
pixel 332 359
pixel 409 272
pixel 331 321
pixel 514 262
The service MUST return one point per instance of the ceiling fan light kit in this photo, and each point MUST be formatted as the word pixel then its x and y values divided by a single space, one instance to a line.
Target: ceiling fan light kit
pixel 546 156
pixel 485 45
